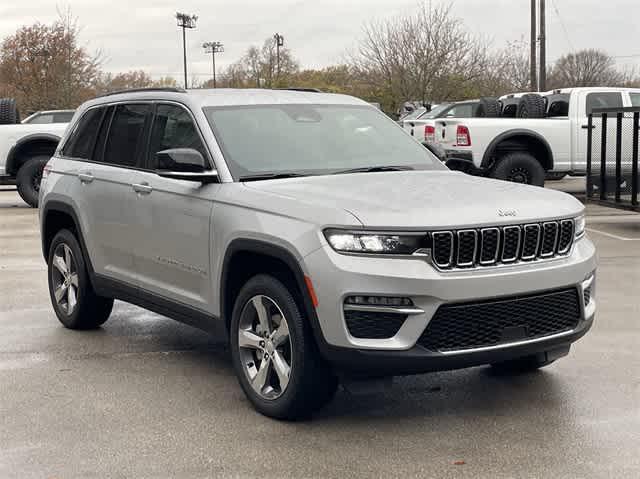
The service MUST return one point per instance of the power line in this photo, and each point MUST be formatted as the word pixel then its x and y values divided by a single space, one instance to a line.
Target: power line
pixel 564 27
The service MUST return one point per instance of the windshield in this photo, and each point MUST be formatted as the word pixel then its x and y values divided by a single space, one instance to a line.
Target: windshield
pixel 313 139
pixel 436 112
pixel 414 114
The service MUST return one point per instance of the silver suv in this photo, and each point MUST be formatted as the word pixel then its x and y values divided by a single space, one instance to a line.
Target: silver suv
pixel 327 241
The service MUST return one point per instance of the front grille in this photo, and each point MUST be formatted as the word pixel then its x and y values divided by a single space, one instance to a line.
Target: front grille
pixel 494 322
pixel 502 245
pixel 373 325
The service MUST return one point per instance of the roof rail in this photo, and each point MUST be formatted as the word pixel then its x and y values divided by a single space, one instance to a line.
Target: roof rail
pixel 136 90
pixel 310 90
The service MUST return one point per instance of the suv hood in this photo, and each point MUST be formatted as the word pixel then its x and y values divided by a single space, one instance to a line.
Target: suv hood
pixel 425 199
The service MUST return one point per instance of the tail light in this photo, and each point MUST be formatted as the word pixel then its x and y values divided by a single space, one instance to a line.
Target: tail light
pixel 46 170
pixel 430 134
pixel 462 136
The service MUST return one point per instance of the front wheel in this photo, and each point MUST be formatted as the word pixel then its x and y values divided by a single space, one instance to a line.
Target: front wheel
pixel 274 353
pixel 29 177
pixel 519 167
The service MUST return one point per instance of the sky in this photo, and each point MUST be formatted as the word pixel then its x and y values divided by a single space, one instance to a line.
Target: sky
pixel 143 34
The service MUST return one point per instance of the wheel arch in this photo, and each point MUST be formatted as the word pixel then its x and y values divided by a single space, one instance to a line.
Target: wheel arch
pixel 255 256
pixel 55 216
pixel 522 140
pixel 37 143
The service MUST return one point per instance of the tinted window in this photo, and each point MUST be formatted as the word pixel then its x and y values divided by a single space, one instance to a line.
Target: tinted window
pixel 80 143
pixel 461 111
pixel 312 139
pixel 62 117
pixel 603 100
pixel 126 140
pixel 42 119
pixel 173 128
pixel 635 99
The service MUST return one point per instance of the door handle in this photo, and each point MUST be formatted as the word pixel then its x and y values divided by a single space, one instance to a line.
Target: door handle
pixel 142 188
pixel 586 127
pixel 85 177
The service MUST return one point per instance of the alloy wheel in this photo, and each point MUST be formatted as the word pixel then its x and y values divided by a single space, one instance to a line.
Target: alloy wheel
pixel 265 347
pixel 64 275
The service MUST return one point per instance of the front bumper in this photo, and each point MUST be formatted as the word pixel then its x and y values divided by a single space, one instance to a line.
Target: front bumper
pixel 337 276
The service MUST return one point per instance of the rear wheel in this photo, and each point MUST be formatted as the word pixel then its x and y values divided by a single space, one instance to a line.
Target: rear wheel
pixel 74 301
pixel 274 353
pixel 519 167
pixel 29 177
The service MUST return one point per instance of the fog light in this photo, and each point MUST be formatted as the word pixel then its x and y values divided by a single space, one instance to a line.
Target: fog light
pixel 378 301
pixel 589 289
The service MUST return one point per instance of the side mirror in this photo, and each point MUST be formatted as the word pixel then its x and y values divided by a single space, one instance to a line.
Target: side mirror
pixel 184 164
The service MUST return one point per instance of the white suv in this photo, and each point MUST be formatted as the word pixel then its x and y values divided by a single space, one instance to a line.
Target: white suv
pixel 325 238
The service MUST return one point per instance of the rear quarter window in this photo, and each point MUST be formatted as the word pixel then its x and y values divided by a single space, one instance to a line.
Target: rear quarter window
pixel 603 100
pixel 80 143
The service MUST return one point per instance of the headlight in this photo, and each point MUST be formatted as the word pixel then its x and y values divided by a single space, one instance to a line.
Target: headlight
pixel 380 243
pixel 581 223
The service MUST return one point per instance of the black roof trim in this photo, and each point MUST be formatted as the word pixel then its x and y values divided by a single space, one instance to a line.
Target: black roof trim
pixel 310 90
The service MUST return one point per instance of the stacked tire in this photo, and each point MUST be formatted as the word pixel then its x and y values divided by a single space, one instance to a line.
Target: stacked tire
pixel 9 114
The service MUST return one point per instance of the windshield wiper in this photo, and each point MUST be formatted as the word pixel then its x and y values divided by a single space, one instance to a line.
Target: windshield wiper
pixel 373 169
pixel 270 176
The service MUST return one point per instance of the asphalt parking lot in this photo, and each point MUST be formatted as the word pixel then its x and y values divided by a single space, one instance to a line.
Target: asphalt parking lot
pixel 147 397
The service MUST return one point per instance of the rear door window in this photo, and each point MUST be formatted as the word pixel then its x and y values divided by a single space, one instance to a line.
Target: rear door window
pixel 603 100
pixel 635 99
pixel 80 143
pixel 126 139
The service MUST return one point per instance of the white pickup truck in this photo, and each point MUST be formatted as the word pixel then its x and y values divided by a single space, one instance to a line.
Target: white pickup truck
pixel 24 150
pixel 548 136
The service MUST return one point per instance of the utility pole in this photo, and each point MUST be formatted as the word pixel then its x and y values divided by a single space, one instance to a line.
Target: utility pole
pixel 533 66
pixel 279 43
pixel 213 48
pixel 185 21
pixel 543 49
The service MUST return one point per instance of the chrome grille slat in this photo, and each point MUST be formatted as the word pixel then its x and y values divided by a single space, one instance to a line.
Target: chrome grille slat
pixel 492 246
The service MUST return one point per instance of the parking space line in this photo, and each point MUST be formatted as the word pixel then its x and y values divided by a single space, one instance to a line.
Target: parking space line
pixel 611 235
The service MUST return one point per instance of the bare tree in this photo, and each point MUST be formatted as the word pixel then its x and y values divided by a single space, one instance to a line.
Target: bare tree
pixel 43 66
pixel 588 67
pixel 426 56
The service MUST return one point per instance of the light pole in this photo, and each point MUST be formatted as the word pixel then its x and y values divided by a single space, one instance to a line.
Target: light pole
pixel 185 21
pixel 213 48
pixel 279 43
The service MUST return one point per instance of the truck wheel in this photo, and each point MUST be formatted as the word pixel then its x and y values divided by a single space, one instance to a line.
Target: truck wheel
pixel 274 354
pixel 519 167
pixel 488 108
pixel 531 105
pixel 74 301
pixel 29 177
pixel 9 114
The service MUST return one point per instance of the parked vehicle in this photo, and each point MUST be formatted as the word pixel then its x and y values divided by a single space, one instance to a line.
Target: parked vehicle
pixel 50 116
pixel 422 125
pixel 330 245
pixel 544 135
pixel 24 150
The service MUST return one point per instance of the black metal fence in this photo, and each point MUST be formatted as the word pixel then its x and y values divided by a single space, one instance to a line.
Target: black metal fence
pixel 612 156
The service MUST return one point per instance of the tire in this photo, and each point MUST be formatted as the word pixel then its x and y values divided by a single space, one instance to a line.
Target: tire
pixel 310 383
pixel 28 179
pixel 488 108
pixel 519 167
pixel 9 114
pixel 531 105
pixel 90 310
pixel 521 365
